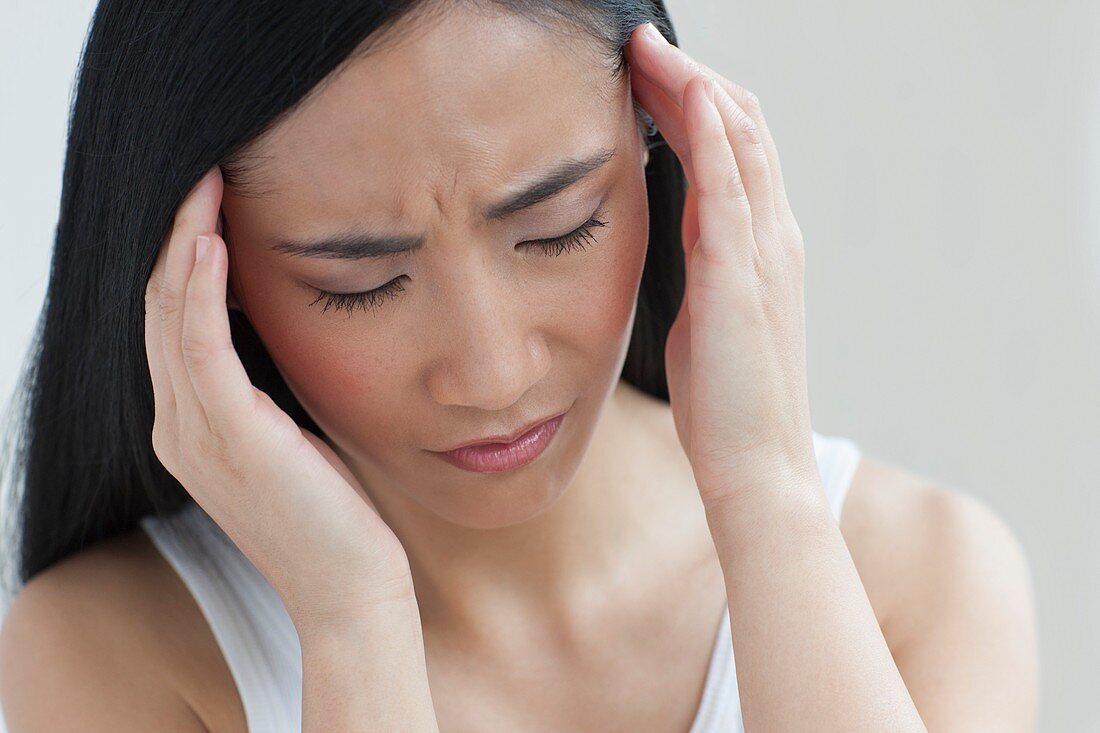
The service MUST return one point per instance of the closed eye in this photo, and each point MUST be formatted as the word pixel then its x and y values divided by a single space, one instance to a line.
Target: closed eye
pixel 578 239
pixel 575 239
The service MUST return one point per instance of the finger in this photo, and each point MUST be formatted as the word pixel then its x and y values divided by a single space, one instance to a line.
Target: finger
pixel 669 118
pixel 216 373
pixel 163 398
pixel 725 216
pixel 670 69
pixel 752 162
pixel 196 215
pixel 689 227
pixel 749 102
pixel 747 144
pixel 667 115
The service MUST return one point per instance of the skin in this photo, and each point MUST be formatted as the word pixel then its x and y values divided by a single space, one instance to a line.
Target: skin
pixel 486 336
pixel 921 599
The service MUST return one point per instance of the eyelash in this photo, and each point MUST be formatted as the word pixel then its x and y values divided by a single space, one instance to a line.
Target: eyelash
pixel 371 299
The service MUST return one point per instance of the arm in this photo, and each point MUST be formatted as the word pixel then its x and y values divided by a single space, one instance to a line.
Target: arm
pixel 958 631
pixel 811 654
pixel 808 647
pixel 367 672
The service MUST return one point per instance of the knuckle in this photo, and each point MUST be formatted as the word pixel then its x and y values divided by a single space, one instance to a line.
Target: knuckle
pixel 220 432
pixel 791 236
pixel 752 134
pixel 725 189
pixel 195 354
pixel 157 439
pixel 170 309
pixel 752 102
pixel 700 79
pixel 727 184
pixel 164 444
pixel 742 120
pixel 152 291
pixel 746 125
pixel 796 258
pixel 213 443
pixel 218 448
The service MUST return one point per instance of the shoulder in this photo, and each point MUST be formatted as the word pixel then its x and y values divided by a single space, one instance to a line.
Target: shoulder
pixel 109 636
pixel 951 587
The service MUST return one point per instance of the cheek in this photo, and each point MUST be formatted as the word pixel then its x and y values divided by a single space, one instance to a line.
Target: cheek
pixel 342 379
pixel 607 291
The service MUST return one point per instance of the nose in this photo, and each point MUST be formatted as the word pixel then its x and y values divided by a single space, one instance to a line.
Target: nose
pixel 491 351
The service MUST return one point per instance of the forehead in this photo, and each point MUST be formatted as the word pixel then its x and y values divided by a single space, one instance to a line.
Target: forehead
pixel 445 112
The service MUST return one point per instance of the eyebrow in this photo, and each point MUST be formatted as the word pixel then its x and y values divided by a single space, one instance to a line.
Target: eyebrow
pixel 363 245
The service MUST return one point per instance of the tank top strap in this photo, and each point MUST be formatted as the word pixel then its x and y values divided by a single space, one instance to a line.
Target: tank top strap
pixel 247 617
pixel 837 460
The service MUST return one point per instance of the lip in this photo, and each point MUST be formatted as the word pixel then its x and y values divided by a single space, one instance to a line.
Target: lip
pixel 494 457
pixel 500 440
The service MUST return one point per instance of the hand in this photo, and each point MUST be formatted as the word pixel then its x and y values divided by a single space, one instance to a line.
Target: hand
pixel 278 491
pixel 735 355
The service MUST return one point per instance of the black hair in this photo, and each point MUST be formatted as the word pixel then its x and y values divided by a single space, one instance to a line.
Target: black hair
pixel 166 89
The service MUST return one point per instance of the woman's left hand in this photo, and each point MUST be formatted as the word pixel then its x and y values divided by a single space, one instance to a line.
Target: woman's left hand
pixel 735 355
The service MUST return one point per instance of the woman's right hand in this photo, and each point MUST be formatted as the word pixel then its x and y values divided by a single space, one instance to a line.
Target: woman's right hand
pixel 278 491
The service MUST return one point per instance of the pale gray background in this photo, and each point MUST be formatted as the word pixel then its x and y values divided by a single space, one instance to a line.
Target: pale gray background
pixel 943 160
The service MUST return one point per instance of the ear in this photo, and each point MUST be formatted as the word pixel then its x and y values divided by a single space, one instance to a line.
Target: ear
pixel 643 143
pixel 643 124
pixel 644 133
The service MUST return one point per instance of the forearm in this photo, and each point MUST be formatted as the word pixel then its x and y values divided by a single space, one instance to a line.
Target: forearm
pixel 809 652
pixel 368 674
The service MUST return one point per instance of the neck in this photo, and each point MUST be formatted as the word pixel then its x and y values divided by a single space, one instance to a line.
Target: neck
pixel 597 536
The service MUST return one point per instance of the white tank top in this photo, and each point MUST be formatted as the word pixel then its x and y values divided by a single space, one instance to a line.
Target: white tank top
pixel 260 643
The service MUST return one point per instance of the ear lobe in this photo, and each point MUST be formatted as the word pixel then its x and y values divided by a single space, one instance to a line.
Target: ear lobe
pixel 643 145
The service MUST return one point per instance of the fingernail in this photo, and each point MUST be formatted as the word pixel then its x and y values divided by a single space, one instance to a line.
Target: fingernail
pixel 654 34
pixel 202 244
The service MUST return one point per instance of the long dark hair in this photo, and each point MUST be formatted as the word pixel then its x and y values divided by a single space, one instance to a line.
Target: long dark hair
pixel 166 90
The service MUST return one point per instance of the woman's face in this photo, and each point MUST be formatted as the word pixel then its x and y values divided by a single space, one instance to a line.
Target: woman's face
pixel 485 331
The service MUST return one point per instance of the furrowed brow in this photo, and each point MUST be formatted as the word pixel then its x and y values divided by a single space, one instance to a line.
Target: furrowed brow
pixel 557 179
pixel 365 245
pixel 351 246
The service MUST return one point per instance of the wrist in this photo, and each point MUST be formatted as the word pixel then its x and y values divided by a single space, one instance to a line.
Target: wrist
pixel 741 516
pixel 349 613
pixel 366 671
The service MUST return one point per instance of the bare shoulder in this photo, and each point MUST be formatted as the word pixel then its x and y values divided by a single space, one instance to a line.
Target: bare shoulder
pixel 951 587
pixel 112 638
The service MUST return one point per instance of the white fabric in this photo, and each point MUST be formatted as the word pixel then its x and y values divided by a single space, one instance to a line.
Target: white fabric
pixel 260 643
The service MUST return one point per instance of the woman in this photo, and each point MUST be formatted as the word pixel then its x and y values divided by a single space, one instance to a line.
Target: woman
pixel 529 423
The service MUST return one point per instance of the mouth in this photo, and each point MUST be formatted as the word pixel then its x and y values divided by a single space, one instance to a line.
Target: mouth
pixel 496 457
